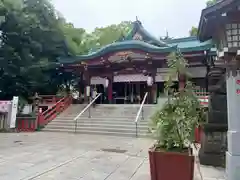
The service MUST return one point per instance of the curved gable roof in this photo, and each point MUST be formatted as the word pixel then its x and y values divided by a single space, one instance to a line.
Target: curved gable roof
pixel 146 36
pixel 119 46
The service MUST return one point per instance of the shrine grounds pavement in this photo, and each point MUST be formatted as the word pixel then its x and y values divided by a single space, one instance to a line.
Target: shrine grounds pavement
pixel 62 156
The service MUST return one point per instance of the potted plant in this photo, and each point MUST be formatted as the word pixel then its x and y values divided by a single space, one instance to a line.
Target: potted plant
pixel 173 127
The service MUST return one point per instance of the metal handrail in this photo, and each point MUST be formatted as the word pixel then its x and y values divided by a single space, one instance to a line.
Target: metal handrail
pixel 139 112
pixel 83 111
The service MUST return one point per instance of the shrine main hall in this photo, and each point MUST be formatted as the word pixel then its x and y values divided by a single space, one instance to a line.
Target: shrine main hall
pixel 137 63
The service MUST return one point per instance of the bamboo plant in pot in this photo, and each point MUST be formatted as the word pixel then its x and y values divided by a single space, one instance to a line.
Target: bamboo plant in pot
pixel 173 127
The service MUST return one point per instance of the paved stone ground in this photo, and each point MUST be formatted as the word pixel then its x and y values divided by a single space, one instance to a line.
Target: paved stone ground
pixel 62 156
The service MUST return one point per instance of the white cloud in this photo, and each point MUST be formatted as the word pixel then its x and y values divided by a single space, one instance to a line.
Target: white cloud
pixel 177 16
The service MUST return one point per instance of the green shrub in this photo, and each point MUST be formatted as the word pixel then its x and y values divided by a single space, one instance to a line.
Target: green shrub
pixel 173 125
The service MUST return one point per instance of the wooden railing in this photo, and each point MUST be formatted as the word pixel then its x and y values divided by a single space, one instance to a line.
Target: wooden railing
pixel 203 96
pixel 30 124
pixel 49 99
pixel 45 117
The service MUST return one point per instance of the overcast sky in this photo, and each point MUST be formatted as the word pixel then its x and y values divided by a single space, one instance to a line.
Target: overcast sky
pixel 157 16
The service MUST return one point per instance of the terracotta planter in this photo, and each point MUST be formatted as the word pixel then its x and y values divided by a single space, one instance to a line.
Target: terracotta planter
pixel 171 165
pixel 198 134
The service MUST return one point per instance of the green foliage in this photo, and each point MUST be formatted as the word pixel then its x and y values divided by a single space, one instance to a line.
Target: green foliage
pixel 174 124
pixel 32 36
pixel 106 35
pixel 193 31
pixel 30 39
pixel 211 2
pixel 21 103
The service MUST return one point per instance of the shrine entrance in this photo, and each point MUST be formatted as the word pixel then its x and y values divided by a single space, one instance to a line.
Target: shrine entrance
pixel 129 92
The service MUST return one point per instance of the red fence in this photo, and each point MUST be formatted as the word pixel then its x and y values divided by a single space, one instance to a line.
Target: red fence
pixel 26 124
pixel 45 117
pixel 49 99
pixel 203 98
pixel 33 123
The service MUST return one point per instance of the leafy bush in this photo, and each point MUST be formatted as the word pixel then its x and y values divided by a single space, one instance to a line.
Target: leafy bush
pixel 173 125
pixel 21 104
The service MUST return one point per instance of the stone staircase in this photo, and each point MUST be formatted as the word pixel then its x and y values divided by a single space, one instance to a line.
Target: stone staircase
pixel 110 119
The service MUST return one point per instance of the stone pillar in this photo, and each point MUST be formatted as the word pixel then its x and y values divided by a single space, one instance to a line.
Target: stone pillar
pixel 206 78
pixel 110 90
pixel 214 140
pixel 233 104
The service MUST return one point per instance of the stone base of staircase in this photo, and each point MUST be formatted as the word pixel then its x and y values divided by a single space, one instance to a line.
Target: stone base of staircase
pixel 109 119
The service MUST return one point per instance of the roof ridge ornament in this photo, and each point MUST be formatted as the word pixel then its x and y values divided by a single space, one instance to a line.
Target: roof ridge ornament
pixel 138 21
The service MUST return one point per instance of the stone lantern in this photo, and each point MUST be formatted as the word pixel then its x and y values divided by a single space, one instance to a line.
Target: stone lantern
pixel 149 81
pixel 221 22
pixel 36 101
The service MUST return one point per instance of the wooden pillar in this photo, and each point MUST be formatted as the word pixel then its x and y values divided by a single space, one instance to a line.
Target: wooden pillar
pixel 110 89
pixel 81 85
pixel 154 86
pixel 87 84
pixel 138 93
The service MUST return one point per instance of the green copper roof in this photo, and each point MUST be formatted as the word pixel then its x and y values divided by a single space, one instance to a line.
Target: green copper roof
pixel 119 46
pixel 190 44
pixel 146 43
pixel 146 36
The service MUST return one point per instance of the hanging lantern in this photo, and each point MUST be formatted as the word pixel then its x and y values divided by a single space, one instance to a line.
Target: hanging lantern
pixel 106 83
pixel 149 81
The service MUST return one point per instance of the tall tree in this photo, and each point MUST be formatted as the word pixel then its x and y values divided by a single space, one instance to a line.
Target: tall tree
pixel 30 37
pixel 211 2
pixel 106 35
pixel 74 37
pixel 193 31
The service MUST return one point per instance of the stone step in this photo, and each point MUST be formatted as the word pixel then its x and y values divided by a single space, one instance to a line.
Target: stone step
pixel 99 128
pixel 106 115
pixel 116 120
pixel 98 121
pixel 146 117
pixel 94 125
pixel 123 134
pixel 131 118
pixel 97 112
pixel 102 119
